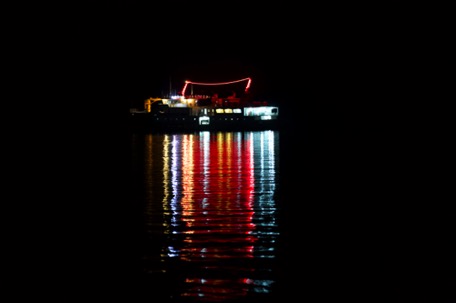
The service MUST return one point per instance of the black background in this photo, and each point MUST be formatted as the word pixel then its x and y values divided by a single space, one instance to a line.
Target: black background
pixel 350 83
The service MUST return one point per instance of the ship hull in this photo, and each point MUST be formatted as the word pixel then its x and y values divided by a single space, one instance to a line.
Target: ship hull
pixel 150 122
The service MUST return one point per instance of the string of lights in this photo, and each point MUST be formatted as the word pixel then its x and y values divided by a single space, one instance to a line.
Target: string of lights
pixel 249 81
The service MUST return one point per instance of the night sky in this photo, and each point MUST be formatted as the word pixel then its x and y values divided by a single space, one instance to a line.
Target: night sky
pixel 309 58
pixel 201 43
pixel 333 57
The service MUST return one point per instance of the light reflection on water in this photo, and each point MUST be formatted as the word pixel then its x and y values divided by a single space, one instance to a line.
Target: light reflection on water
pixel 210 211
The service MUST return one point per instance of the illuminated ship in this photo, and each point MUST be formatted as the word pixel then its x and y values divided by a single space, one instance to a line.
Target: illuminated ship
pixel 206 110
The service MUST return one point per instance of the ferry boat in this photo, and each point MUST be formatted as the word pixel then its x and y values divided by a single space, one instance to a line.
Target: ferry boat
pixel 191 111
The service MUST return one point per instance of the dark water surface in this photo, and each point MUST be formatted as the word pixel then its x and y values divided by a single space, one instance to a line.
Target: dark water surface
pixel 211 204
pixel 321 215
pixel 262 216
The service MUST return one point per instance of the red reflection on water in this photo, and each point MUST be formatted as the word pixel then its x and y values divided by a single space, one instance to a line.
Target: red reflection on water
pixel 217 210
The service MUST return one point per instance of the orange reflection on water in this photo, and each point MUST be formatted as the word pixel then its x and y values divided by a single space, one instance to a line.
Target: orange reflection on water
pixel 216 205
pixel 217 200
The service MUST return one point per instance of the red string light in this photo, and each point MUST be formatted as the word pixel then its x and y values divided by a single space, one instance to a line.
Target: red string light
pixel 249 81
